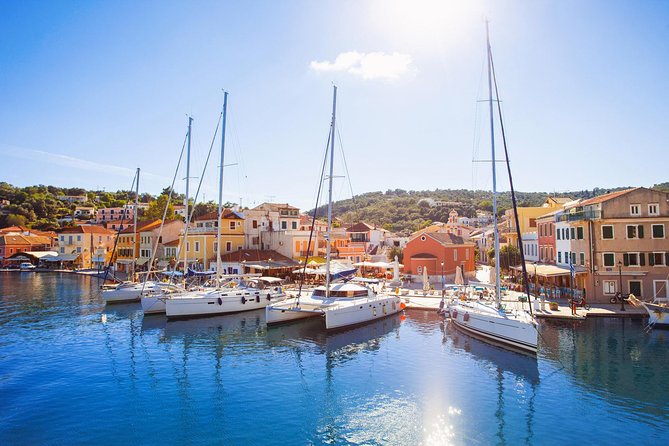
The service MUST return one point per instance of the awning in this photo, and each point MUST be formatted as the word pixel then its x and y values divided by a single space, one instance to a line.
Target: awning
pixel 142 261
pixel 545 270
pixel 62 258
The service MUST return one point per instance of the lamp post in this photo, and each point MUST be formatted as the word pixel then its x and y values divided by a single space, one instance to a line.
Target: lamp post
pixel 442 278
pixel 620 285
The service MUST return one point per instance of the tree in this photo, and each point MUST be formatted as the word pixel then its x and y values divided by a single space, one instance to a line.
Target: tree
pixel 204 208
pixel 396 251
pixel 157 208
pixel 15 220
pixel 509 255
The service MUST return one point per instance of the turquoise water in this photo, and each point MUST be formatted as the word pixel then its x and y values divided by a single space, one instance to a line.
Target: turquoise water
pixel 75 372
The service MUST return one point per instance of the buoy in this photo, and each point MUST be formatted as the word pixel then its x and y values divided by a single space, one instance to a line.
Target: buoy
pixel 402 306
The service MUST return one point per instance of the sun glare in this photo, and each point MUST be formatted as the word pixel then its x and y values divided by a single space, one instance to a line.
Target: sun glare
pixel 425 24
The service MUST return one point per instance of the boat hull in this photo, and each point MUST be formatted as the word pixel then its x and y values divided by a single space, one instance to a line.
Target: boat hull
pixel 658 315
pixel 507 332
pixel 359 311
pixel 153 304
pixel 219 302
pixel 288 311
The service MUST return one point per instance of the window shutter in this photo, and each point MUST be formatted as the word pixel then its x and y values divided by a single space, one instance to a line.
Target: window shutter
pixel 640 230
pixel 626 259
pixel 642 259
pixel 651 259
pixel 666 258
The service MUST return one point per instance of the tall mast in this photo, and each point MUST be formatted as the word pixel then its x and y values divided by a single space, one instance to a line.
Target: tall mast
pixel 332 138
pixel 190 123
pixel 134 226
pixel 220 193
pixel 494 172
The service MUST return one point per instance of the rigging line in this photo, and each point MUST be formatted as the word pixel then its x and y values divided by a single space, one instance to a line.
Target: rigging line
pixel 197 192
pixel 313 221
pixel 343 155
pixel 513 193
pixel 162 224
pixel 118 232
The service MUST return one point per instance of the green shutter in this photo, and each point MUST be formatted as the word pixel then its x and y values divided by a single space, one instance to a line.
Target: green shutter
pixel 640 231
pixel 651 259
pixel 626 259
pixel 642 259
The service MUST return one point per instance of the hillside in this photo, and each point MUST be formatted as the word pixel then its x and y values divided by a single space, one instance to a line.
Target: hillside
pixel 403 211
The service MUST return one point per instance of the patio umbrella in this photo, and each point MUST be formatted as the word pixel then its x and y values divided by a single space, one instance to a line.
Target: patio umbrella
pixel 426 280
pixel 459 279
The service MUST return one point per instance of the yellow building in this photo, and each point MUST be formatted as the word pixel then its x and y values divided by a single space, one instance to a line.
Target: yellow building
pixel 128 246
pixel 202 246
pixel 527 218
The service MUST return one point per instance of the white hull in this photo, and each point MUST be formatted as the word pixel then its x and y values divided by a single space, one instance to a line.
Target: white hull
pixel 219 302
pixel 153 304
pixel 658 315
pixel 515 330
pixel 358 311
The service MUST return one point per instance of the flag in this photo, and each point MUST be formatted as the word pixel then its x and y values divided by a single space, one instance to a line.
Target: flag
pixel 572 271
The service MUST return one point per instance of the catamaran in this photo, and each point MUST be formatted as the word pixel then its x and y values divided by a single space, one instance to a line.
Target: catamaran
pixel 511 328
pixel 341 304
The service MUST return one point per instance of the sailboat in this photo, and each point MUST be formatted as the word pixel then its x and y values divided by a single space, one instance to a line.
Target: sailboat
pixel 511 328
pixel 343 303
pixel 229 297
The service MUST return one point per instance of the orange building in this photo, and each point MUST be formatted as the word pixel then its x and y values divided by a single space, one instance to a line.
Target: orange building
pixel 429 250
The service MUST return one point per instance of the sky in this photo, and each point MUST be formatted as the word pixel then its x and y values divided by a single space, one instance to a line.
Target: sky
pixel 91 90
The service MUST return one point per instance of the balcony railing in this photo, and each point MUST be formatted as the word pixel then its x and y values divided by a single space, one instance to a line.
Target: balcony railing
pixel 581 215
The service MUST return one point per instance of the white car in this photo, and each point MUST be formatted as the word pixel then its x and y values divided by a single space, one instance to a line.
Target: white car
pixel 26 266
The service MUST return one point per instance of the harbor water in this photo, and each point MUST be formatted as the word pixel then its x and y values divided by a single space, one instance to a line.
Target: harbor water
pixel 73 371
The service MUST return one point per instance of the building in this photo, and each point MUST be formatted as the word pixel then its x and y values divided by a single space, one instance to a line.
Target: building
pixel 88 242
pixel 128 245
pixel 12 243
pixel 264 221
pixel 625 245
pixel 266 262
pixel 202 245
pixel 453 226
pixel 545 225
pixel 440 254
pixel 527 219
pixel 154 237
pixel 73 198
pixel 84 212
pixel 531 246
pixel 125 213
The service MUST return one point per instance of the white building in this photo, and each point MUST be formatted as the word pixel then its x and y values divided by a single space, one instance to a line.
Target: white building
pixel 531 246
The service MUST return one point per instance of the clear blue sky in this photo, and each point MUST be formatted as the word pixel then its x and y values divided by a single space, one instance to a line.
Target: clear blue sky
pixel 91 90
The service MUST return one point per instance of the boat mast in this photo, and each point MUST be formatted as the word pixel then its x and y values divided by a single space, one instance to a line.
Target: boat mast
pixel 494 172
pixel 187 214
pixel 332 138
pixel 134 226
pixel 220 194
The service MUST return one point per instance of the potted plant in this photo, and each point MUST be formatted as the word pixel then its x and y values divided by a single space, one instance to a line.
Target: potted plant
pixel 553 306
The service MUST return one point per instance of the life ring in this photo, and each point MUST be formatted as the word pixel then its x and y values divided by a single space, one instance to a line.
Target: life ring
pixel 465 317
pixel 243 300
pixel 220 301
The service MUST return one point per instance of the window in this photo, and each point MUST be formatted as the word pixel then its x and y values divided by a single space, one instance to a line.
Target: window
pixel 78 238
pixel 634 259
pixel 573 231
pixel 215 246
pixel 607 232
pixel 609 287
pixel 558 234
pixel 197 246
pixel 579 233
pixel 653 209
pixel 559 257
pixel 552 255
pixel 609 259
pixel 187 246
pixel 634 231
pixel 255 224
pixel 467 254
pixel 62 250
pixel 635 210
pixel 455 254
pixel 634 286
pixel 566 233
pixel 62 238
pixel 419 270
pixel 284 225
pixel 228 246
pixel 658 231
pixel 232 225
pixel 78 249
pixel 582 259
pixel 533 222
pixel 656 259
pixel 294 225
pixel 573 258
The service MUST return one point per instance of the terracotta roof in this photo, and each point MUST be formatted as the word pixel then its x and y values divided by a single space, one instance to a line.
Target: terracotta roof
pixel 273 206
pixel 359 227
pixel 173 243
pixel 142 226
pixel 560 200
pixel 227 213
pixel 254 255
pixel 607 197
pixel 16 239
pixel 445 238
pixel 86 229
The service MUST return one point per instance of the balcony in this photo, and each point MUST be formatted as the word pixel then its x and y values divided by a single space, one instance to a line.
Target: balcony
pixel 581 215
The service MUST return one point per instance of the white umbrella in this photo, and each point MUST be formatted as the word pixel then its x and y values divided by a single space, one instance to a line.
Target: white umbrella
pixel 493 277
pixel 426 280
pixel 459 279
pixel 396 270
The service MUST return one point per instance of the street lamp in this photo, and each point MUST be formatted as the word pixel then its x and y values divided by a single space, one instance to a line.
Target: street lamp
pixel 442 278
pixel 620 284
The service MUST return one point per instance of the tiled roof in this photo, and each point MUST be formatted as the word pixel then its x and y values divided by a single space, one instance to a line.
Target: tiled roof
pixel 255 255
pixel 607 197
pixel 359 227
pixel 227 213
pixel 142 226
pixel 15 239
pixel 86 229
pixel 273 207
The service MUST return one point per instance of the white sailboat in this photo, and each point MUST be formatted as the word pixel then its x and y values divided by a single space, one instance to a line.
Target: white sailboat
pixel 340 304
pixel 516 329
pixel 658 311
pixel 224 298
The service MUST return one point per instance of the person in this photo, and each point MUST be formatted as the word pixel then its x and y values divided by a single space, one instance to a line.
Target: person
pixel 442 303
